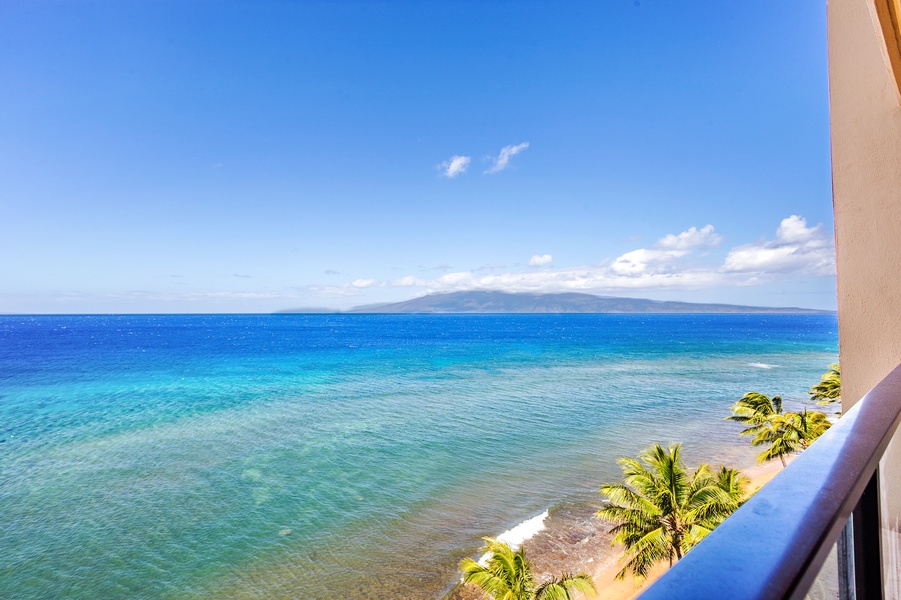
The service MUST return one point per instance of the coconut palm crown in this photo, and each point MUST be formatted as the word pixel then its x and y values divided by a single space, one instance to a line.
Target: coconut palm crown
pixel 829 389
pixel 754 409
pixel 661 511
pixel 508 576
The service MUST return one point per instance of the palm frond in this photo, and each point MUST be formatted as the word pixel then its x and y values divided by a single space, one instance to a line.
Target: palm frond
pixel 508 574
pixel 561 588
pixel 829 389
pixel 755 409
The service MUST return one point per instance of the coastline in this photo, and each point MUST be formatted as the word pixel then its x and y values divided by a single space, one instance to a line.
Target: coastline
pixel 573 541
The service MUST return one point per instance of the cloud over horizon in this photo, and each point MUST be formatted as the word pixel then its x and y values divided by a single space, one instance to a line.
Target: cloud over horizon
pixel 796 249
pixel 665 251
pixel 674 262
pixel 502 160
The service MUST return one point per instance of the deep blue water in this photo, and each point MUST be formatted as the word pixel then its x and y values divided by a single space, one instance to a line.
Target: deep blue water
pixel 349 456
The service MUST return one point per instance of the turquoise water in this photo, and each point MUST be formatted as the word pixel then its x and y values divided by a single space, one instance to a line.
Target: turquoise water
pixel 339 456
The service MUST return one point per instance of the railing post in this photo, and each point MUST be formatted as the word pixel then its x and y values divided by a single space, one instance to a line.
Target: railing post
pixel 867 543
pixel 845 550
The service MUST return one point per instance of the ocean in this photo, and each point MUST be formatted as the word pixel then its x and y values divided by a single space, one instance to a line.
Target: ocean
pixel 346 456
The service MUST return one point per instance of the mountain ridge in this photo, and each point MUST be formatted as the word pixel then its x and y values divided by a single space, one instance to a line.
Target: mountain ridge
pixel 491 302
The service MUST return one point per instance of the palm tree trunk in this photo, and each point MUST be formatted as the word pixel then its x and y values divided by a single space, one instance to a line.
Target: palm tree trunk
pixel 782 458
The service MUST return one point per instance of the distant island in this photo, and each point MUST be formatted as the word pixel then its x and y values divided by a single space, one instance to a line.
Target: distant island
pixel 504 302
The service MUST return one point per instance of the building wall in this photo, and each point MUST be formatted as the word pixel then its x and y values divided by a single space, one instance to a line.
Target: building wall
pixel 866 164
pixel 866 167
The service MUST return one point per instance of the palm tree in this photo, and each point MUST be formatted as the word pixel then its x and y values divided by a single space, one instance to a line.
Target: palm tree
pixel 660 511
pixel 508 576
pixel 755 409
pixel 790 432
pixel 829 389
pixel 780 437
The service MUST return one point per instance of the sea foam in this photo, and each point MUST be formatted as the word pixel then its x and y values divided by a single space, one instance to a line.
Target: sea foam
pixel 516 536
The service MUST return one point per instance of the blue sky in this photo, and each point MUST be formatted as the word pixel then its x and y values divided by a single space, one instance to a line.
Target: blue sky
pixel 257 156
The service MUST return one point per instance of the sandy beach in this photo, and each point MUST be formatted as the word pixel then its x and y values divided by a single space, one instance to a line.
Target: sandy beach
pixel 575 542
pixel 604 576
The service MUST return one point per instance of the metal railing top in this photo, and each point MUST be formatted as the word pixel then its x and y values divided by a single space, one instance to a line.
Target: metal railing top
pixel 776 543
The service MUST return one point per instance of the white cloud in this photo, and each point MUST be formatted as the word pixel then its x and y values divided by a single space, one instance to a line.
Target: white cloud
pixel 796 249
pixel 665 251
pixel 410 281
pixel 674 262
pixel 585 279
pixel 455 279
pixel 502 160
pixel 690 238
pixel 794 229
pixel 364 283
pixel 638 261
pixel 454 166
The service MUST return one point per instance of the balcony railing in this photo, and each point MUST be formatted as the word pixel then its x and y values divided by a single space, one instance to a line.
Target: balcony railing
pixel 775 545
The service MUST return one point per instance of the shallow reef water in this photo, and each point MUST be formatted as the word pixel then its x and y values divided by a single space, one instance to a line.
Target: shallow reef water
pixel 352 456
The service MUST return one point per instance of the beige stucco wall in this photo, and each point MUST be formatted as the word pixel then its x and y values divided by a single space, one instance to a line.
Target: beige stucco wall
pixel 866 166
pixel 866 163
